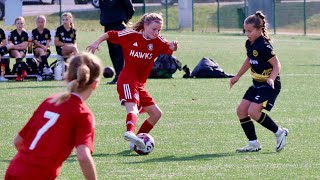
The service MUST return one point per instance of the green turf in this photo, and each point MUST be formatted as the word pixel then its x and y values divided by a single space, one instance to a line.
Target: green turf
pixel 199 131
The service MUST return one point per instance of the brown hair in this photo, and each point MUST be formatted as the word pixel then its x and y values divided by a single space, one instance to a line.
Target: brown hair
pixel 259 21
pixel 69 15
pixel 83 70
pixel 147 18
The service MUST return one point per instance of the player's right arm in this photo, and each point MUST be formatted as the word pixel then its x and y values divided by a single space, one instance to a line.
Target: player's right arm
pixel 246 65
pixel 95 45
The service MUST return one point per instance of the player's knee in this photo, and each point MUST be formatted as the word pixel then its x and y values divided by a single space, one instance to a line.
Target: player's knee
pixel 254 113
pixel 242 112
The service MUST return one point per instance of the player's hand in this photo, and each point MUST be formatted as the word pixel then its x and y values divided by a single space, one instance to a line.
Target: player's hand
pixel 233 80
pixel 270 82
pixel 92 48
pixel 173 45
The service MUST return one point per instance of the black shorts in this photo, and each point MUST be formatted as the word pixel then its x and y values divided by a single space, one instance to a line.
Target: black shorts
pixel 59 50
pixel 24 51
pixel 262 94
pixel 48 52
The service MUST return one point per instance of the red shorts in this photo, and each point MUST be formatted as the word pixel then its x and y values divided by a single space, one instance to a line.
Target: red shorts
pixel 134 92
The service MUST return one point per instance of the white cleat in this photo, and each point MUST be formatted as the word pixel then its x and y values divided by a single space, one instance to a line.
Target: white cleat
pixel 251 147
pixel 282 140
pixel 130 136
pixel 3 79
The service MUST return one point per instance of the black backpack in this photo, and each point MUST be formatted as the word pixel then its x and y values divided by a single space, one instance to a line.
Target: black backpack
pixel 165 66
pixel 208 68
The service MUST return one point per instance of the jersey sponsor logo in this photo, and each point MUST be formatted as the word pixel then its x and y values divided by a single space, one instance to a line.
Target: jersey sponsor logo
pixel 67 39
pixel 269 46
pixel 140 55
pixel 135 44
pixel 150 47
pixel 253 61
pixel 255 53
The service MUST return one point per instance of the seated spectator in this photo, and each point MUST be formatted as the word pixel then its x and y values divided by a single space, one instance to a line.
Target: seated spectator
pixel 19 38
pixel 65 38
pixel 4 47
pixel 41 46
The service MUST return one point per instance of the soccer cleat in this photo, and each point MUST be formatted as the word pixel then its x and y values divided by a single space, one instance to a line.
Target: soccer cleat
pixel 24 74
pixel 131 146
pixel 19 78
pixel 130 136
pixel 282 140
pixel 47 71
pixel 39 78
pixel 251 147
pixel 3 79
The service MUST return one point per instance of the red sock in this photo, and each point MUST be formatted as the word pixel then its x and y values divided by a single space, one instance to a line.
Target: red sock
pixel 131 122
pixel 145 127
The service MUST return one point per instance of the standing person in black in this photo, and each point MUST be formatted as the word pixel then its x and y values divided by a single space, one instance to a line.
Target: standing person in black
pixel 113 16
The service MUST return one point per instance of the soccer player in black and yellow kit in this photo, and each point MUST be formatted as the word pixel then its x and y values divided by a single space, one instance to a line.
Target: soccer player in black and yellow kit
pixel 4 47
pixel 65 38
pixel 19 37
pixel 41 46
pixel 265 68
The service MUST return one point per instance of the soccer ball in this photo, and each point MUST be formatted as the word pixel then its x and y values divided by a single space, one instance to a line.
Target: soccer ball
pixel 148 140
pixel 108 72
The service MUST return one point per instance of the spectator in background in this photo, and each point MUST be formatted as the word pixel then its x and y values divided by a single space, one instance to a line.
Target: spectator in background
pixel 41 46
pixel 4 47
pixel 19 37
pixel 113 16
pixel 65 38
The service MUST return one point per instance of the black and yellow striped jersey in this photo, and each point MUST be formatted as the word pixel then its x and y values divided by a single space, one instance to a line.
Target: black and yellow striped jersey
pixel 259 53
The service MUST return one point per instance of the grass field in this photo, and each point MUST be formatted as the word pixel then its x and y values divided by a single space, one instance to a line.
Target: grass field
pixel 199 131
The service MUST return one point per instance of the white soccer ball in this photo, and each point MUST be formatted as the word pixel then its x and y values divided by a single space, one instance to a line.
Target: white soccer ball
pixel 148 140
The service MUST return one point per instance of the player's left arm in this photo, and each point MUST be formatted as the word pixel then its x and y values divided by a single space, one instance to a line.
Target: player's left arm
pixel 18 142
pixel 276 67
pixel 86 162
pixel 173 45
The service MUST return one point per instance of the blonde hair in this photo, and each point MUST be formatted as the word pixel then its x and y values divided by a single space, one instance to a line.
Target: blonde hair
pixel 259 21
pixel 147 18
pixel 69 15
pixel 83 69
pixel 20 18
pixel 41 17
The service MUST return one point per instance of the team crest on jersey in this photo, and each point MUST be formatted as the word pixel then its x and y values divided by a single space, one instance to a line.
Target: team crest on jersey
pixel 150 47
pixel 0 36
pixel 255 53
pixel 72 35
pixel 22 39
pixel 46 36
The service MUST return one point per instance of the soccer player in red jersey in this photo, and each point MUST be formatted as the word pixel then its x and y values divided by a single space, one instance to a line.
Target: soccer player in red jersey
pixel 61 122
pixel 140 45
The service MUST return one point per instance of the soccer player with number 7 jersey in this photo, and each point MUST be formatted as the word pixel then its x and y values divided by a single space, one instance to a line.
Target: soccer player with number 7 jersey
pixel 61 122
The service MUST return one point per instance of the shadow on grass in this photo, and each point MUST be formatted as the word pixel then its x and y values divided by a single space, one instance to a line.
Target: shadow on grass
pixel 198 157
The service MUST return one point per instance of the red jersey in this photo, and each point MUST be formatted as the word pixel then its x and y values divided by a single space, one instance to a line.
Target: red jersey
pixel 139 53
pixel 50 135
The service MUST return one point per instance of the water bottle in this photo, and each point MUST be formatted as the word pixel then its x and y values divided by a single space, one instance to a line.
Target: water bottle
pixel 58 71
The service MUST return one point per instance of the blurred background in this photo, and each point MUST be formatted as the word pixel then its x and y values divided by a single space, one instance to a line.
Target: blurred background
pixel 284 16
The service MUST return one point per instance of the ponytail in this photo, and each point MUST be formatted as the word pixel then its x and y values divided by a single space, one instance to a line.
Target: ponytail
pixel 83 70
